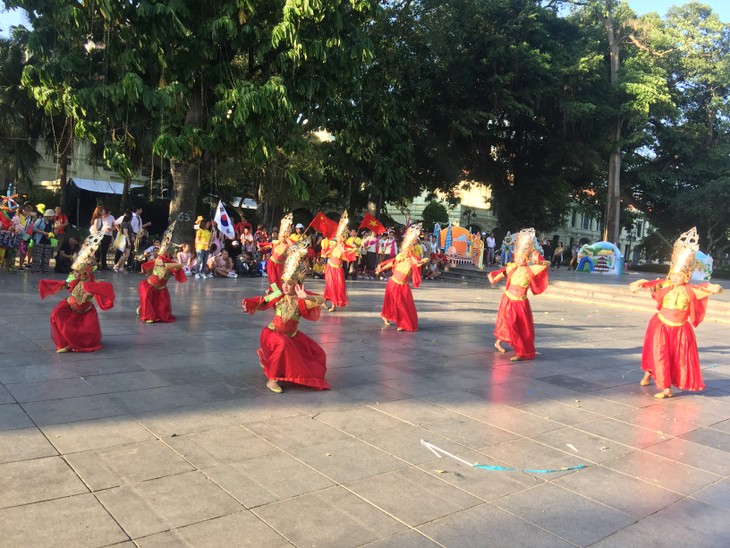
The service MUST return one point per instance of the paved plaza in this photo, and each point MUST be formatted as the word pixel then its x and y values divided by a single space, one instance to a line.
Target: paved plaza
pixel 169 437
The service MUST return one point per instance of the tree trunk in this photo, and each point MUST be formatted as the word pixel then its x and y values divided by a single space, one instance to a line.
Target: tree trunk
pixel 63 178
pixel 125 194
pixel 185 180
pixel 612 224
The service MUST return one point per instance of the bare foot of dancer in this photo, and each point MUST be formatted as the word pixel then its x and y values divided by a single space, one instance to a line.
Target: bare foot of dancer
pixel 646 381
pixel 498 346
pixel 666 394
pixel 386 322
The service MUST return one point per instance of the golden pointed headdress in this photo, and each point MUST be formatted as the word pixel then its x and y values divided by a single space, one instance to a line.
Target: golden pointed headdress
pixel 295 266
pixel 342 227
pixel 286 224
pixel 166 242
pixel 684 253
pixel 525 242
pixel 410 237
pixel 85 258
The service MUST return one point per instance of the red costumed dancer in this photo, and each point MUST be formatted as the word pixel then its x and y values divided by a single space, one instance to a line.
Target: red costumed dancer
pixel 286 354
pixel 670 348
pixel 514 317
pixel 335 287
pixel 275 262
pixel 75 322
pixel 154 297
pixel 398 305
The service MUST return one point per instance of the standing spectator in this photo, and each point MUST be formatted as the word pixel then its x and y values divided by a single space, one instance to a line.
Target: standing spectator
pixel 557 257
pixel 42 234
pixel 298 233
pixel 574 256
pixel 202 245
pixel 60 222
pixel 547 248
pixel 240 226
pixel 351 267
pixel 107 231
pixel 491 243
pixel 65 256
pixel 125 245
pixel 102 223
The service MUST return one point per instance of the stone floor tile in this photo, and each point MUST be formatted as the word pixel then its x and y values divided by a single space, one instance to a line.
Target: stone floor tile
pixel 334 516
pixel 121 382
pixel 95 434
pixel 241 529
pixel 166 503
pixel 404 539
pixel 486 525
pixel 270 478
pixel 294 432
pixel 710 437
pixel 220 446
pixel 717 494
pixel 558 412
pixel 626 434
pixel 663 472
pixel 126 464
pixel 23 444
pixel 347 460
pixel 34 373
pixel 13 416
pixel 218 391
pixel 153 399
pixel 413 496
pixel 470 432
pixel 66 410
pixel 530 455
pixel 72 521
pixel 255 408
pixel 693 454
pixel 513 420
pixel 583 445
pixel 565 514
pixel 35 480
pixel 405 443
pixel 167 423
pixel 5 396
pixel 628 494
pixel 360 421
pixel 51 390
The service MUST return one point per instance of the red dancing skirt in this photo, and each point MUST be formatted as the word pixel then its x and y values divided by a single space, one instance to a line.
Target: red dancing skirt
pixel 274 272
pixel 670 354
pixel 335 288
pixel 398 306
pixel 154 304
pixel 79 330
pixel 515 326
pixel 296 359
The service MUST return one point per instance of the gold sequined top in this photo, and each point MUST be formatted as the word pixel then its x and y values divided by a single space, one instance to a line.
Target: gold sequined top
pixel 80 300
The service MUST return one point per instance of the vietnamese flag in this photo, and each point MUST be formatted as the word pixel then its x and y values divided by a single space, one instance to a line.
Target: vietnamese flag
pixel 371 223
pixel 325 225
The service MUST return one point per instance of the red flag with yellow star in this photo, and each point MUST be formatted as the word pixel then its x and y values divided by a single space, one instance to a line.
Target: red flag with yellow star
pixel 371 223
pixel 324 224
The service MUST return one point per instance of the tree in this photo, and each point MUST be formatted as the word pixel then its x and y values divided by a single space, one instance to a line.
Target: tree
pixel 434 213
pixel 681 177
pixel 19 117
pixel 224 78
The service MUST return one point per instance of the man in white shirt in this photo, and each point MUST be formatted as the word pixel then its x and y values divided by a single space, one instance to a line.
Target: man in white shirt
pixel 490 248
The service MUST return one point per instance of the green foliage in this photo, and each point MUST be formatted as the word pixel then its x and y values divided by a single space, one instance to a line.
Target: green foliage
pixel 434 213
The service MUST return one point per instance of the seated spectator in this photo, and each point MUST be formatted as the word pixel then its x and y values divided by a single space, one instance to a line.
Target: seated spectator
pixel 152 251
pixel 222 266
pixel 186 258
pixel 318 268
pixel 66 255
